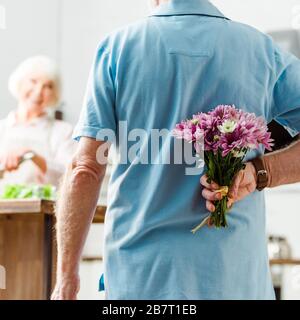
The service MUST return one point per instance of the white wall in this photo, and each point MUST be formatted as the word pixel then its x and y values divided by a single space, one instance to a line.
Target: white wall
pixel 84 24
pixel 32 27
pixel 266 15
pixel 283 214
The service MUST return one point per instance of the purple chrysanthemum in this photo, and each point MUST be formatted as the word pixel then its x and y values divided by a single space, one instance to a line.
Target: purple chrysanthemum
pixel 226 129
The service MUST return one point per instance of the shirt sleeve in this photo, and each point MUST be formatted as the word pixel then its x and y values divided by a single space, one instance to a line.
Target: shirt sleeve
pixel 98 111
pixel 286 92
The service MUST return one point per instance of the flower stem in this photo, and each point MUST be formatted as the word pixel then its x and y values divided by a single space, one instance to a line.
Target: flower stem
pixel 202 224
pixel 219 215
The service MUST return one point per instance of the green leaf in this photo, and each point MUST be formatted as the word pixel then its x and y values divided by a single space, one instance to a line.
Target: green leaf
pixel 18 191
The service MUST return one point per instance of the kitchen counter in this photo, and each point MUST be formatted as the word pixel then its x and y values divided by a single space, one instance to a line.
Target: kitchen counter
pixel 9 207
pixel 291 262
pixel 28 248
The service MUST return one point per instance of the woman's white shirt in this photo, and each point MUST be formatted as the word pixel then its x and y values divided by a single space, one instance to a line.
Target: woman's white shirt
pixel 51 139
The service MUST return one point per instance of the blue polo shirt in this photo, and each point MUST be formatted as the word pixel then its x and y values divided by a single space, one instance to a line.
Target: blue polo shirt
pixel 184 58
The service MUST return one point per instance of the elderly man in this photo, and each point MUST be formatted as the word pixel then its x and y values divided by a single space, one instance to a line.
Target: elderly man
pixel 184 58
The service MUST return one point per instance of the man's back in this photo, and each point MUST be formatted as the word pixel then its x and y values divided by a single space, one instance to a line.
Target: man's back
pixel 184 59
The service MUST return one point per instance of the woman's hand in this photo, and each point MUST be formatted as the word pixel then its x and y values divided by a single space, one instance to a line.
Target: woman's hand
pixel 11 160
pixel 244 183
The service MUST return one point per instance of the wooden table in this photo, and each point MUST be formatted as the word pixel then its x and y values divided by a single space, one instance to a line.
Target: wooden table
pixel 285 262
pixel 28 248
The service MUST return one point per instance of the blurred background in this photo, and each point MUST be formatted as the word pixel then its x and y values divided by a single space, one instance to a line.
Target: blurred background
pixel 69 31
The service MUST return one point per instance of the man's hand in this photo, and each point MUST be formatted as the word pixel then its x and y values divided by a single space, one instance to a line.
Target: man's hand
pixel 244 183
pixel 66 289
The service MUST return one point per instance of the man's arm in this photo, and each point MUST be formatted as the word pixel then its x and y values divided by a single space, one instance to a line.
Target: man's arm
pixel 76 206
pixel 283 167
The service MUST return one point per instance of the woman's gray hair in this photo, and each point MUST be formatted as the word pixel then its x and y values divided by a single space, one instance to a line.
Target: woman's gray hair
pixel 37 64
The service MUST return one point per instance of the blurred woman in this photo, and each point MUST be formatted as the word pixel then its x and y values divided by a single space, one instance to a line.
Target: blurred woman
pixel 34 147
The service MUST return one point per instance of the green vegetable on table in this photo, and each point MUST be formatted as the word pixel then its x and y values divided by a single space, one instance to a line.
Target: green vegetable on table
pixel 19 191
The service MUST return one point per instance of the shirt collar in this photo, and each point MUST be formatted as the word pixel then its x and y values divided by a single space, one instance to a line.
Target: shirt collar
pixel 187 7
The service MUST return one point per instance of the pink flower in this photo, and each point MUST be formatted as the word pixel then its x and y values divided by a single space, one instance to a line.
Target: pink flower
pixel 227 129
pixel 198 134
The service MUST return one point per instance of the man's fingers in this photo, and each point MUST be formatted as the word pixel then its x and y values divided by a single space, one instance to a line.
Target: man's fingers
pixel 245 191
pixel 230 203
pixel 233 192
pixel 211 195
pixel 203 181
pixel 210 223
pixel 211 186
pixel 210 206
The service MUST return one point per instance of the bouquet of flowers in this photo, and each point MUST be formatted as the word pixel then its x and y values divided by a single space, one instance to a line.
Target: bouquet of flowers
pixel 229 133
